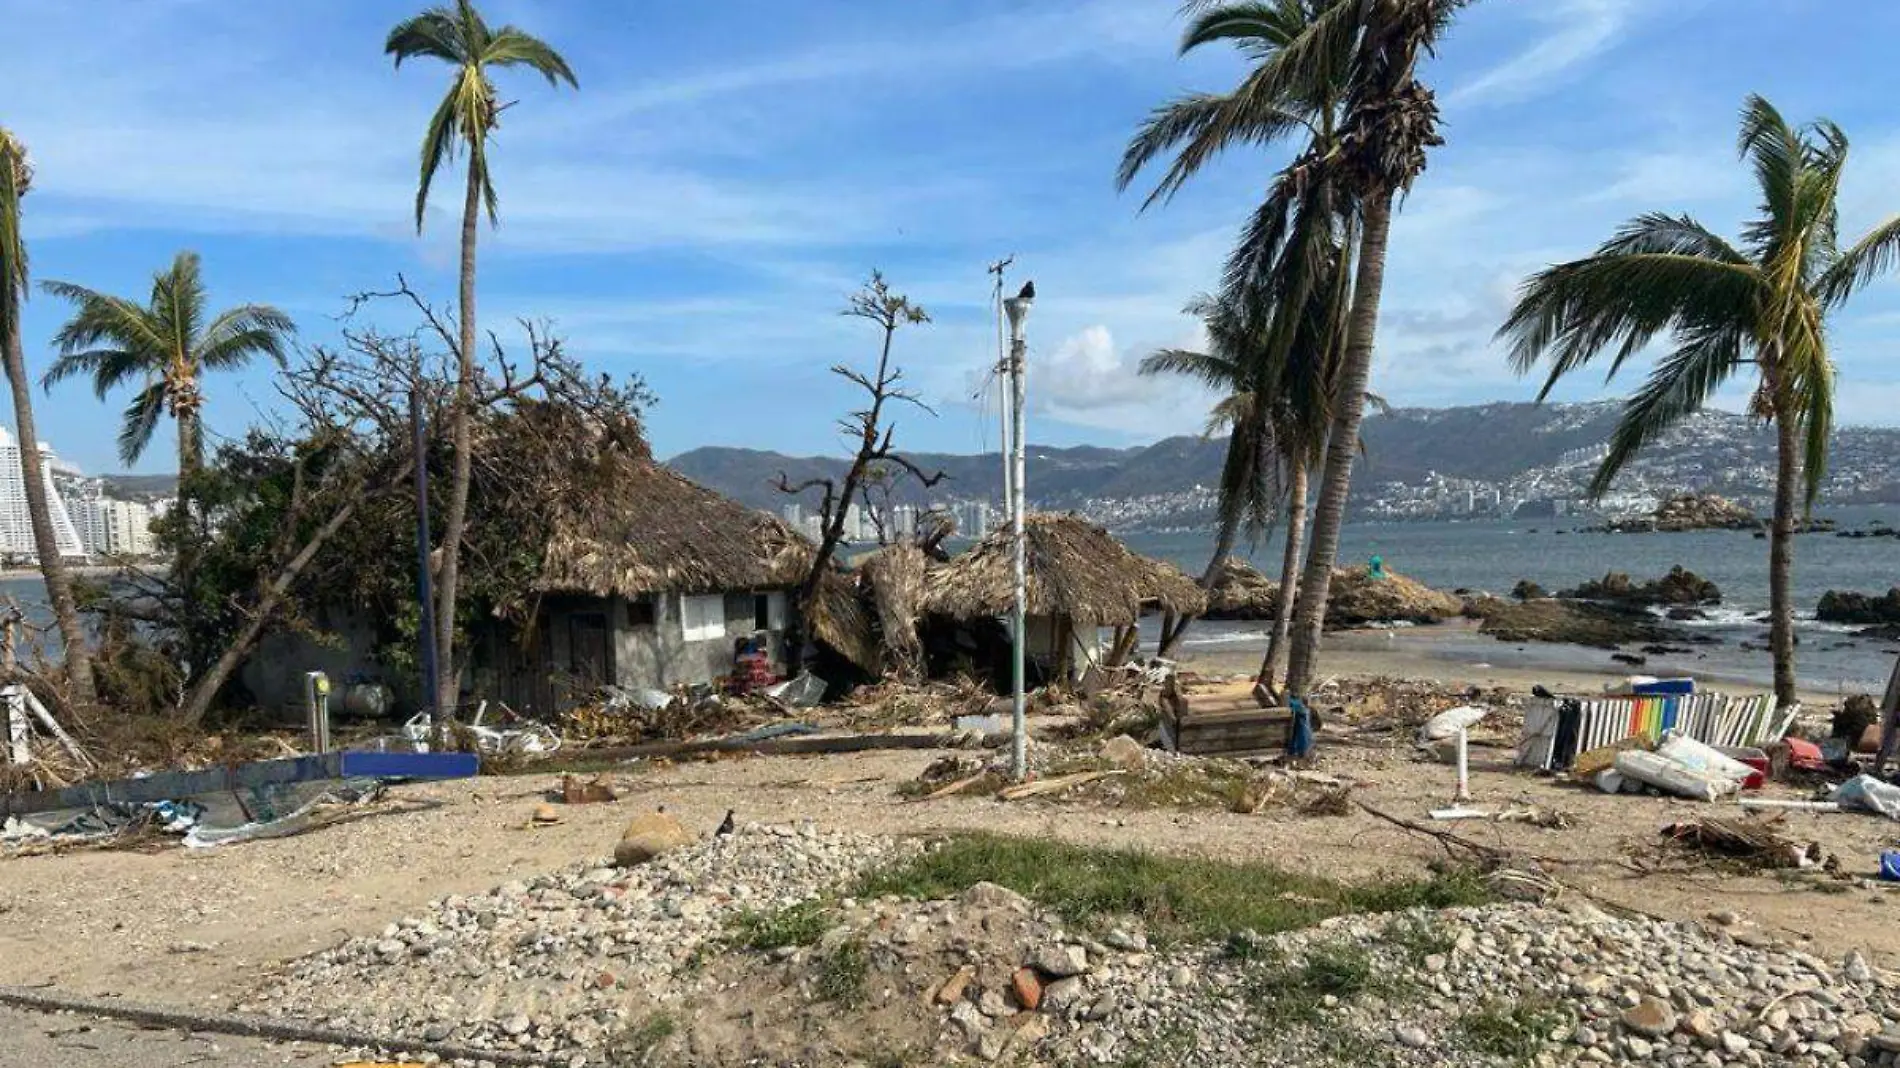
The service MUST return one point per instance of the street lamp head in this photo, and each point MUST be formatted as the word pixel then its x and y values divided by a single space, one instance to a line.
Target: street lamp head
pixel 1017 308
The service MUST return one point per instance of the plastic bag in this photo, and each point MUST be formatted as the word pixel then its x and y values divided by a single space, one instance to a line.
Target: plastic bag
pixel 1665 774
pixel 1868 794
pixel 804 691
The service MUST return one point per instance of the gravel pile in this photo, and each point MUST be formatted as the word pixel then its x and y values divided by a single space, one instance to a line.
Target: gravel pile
pixel 578 964
pixel 564 961
pixel 1577 986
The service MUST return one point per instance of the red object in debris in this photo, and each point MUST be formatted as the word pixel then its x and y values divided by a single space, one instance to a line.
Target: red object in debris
pixel 1754 758
pixel 1804 755
pixel 1028 987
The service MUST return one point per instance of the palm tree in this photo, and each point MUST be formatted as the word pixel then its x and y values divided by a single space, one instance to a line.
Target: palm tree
pixel 1390 121
pixel 165 347
pixel 469 112
pixel 1763 305
pixel 16 175
pixel 1274 304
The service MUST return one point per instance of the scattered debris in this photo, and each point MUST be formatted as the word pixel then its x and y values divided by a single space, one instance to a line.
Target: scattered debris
pixel 1757 841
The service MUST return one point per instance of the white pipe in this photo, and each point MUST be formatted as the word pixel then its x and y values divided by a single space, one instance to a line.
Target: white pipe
pixel 1801 806
pixel 1464 766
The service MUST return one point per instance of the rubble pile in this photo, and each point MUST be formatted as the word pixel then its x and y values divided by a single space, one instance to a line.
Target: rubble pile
pixel 742 949
pixel 563 961
pixel 1357 599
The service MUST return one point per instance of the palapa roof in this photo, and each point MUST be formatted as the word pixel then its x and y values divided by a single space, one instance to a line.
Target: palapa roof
pixel 1075 569
pixel 650 529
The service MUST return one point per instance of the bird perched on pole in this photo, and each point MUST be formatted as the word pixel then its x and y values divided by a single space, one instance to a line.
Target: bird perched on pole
pixel 725 826
pixel 1028 291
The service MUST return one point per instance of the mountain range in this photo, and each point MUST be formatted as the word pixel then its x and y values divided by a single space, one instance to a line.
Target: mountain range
pixel 1492 443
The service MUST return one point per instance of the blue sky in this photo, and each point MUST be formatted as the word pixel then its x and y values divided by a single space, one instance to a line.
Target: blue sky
pixel 727 175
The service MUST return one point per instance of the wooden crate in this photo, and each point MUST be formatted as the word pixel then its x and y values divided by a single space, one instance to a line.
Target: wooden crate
pixel 1224 727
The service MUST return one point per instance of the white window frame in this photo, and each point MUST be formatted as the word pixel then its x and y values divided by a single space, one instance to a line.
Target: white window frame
pixel 703 617
pixel 775 610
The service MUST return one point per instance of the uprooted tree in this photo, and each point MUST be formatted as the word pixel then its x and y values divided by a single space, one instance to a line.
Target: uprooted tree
pixel 876 464
pixel 313 508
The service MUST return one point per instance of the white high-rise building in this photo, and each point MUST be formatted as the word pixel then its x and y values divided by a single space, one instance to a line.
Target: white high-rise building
pixel 16 523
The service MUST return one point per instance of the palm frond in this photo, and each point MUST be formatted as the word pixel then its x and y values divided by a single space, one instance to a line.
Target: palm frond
pixel 1678 386
pixel 1203 125
pixel 1572 312
pixel 178 301
pixel 438 144
pixel 1216 372
pixel 140 419
pixel 108 368
pixel 511 47
pixel 1677 235
pixel 14 178
pixel 436 32
pixel 239 334
pixel 108 320
pixel 1775 152
pixel 1873 255
pixel 1257 24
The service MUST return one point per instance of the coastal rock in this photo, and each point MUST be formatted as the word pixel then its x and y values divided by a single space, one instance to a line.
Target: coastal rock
pixel 1687 511
pixel 1600 626
pixel 1679 587
pixel 1846 606
pixel 1357 599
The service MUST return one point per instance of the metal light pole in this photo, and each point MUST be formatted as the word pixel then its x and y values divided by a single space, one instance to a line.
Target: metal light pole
pixel 1017 308
pixel 425 594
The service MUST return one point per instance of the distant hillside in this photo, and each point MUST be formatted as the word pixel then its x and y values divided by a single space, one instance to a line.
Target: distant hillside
pixel 140 487
pixel 1548 445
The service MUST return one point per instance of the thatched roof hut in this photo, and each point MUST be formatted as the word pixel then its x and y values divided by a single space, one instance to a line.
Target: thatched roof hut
pixel 894 577
pixel 1076 570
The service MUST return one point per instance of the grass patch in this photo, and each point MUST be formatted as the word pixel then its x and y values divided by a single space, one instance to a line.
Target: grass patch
pixel 841 974
pixel 1283 993
pixel 638 1042
pixel 1187 898
pixel 795 925
pixel 1516 1031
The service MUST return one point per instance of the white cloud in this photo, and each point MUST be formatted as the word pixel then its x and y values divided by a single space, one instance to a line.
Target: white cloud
pixel 1578 31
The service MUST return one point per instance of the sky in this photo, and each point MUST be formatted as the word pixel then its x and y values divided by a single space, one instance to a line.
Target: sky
pixel 725 176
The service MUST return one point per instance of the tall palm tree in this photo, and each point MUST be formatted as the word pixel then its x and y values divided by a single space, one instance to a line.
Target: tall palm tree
pixel 16 175
pixel 1763 305
pixel 1390 121
pixel 468 113
pixel 165 347
pixel 1275 303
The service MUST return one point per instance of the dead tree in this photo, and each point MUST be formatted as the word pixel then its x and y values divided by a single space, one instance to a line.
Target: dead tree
pixel 870 428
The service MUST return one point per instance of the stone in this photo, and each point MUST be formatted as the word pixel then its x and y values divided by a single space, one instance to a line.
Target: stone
pixel 1725 917
pixel 647 836
pixel 1887 1041
pixel 1126 941
pixel 1702 1027
pixel 1030 1032
pixel 952 989
pixel 990 895
pixel 1584 1035
pixel 1786 1040
pixel 1734 1044
pixel 1412 1036
pixel 991 1004
pixel 1124 752
pixel 1856 968
pixel 1638 1048
pixel 1650 1017
pixel 1103 1008
pixel 1435 963
pixel 545 813
pixel 1060 961
pixel 516 1025
pixel 1027 987
pixel 1064 996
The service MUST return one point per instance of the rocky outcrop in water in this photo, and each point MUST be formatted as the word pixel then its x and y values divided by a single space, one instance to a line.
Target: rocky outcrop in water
pixel 1846 606
pixel 1679 587
pixel 1687 511
pixel 1599 626
pixel 1357 598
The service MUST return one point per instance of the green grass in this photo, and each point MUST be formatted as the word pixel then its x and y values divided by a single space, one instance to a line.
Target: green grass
pixel 842 973
pixel 795 925
pixel 1514 1031
pixel 1178 898
pixel 638 1042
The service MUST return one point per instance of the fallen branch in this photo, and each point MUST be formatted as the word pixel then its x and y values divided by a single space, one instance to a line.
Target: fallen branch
pixel 960 784
pixel 1489 855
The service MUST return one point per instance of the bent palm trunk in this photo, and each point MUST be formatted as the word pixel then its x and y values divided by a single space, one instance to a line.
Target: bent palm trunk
pixel 448 679
pixel 1342 445
pixel 1781 560
pixel 1289 576
pixel 59 587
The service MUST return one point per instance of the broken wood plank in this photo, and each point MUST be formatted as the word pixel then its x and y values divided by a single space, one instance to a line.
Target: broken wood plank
pixel 951 788
pixel 1053 786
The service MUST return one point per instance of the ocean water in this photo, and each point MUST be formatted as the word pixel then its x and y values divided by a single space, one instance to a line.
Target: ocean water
pixel 1493 555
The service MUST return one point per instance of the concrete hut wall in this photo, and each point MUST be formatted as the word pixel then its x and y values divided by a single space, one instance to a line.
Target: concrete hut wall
pixel 671 639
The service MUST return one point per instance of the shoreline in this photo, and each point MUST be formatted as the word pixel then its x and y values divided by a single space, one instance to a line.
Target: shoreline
pixel 1455 653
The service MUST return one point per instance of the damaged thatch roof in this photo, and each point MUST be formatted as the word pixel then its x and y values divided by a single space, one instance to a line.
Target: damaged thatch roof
pixel 615 521
pixel 1075 569
pixel 895 576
